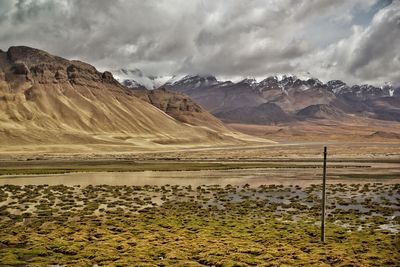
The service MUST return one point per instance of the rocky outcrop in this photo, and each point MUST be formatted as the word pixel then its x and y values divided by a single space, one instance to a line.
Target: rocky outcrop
pixel 44 68
pixel 20 68
pixel 180 107
pixel 107 76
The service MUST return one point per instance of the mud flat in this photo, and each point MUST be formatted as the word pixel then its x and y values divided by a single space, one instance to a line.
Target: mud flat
pixel 253 177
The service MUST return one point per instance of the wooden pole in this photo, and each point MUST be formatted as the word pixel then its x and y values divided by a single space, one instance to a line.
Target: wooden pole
pixel 323 198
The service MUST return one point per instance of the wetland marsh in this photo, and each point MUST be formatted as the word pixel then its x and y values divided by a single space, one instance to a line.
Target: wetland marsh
pixel 209 225
pixel 222 211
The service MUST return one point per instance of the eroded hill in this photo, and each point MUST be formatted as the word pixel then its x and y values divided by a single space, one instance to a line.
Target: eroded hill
pixel 49 100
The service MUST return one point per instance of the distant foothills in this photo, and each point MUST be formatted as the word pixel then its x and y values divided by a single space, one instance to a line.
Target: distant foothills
pixel 276 99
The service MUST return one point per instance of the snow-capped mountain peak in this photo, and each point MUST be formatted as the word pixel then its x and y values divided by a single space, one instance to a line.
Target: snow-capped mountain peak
pixel 135 78
pixel 249 81
pixel 194 81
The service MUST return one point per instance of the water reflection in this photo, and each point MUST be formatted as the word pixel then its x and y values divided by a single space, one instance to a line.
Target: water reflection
pixel 254 177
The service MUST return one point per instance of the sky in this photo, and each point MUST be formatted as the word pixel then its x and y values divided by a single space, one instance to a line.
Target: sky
pixel 357 41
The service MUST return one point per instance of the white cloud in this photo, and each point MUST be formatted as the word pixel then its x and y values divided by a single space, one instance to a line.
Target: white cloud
pixel 369 55
pixel 225 38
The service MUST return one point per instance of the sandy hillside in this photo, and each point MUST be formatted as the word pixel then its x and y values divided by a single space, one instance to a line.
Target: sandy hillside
pixel 50 101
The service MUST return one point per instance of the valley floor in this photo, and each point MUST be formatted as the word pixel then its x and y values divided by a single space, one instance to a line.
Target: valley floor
pixel 355 129
pixel 221 206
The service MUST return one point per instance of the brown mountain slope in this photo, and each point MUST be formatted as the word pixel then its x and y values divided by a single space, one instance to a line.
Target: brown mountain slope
pixel 180 107
pixel 321 111
pixel 244 101
pixel 46 99
pixel 267 113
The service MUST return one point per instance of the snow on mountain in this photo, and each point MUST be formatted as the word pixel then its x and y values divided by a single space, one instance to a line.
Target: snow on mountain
pixel 174 79
pixel 136 78
pixel 194 80
pixel 301 76
pixel 270 81
pixel 249 81
pixel 337 86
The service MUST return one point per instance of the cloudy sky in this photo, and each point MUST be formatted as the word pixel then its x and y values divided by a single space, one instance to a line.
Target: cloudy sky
pixel 357 41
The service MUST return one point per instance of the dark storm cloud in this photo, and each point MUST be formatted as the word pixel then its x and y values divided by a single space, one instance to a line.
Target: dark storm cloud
pixel 228 38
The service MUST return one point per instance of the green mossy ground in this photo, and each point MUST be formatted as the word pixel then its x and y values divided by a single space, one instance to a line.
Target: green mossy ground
pixel 203 226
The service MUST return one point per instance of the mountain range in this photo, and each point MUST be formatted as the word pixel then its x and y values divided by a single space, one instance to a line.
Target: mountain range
pixel 281 98
pixel 46 100
pixel 54 104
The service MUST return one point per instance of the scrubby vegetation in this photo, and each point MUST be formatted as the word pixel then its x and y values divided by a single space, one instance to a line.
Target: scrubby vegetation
pixel 198 226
